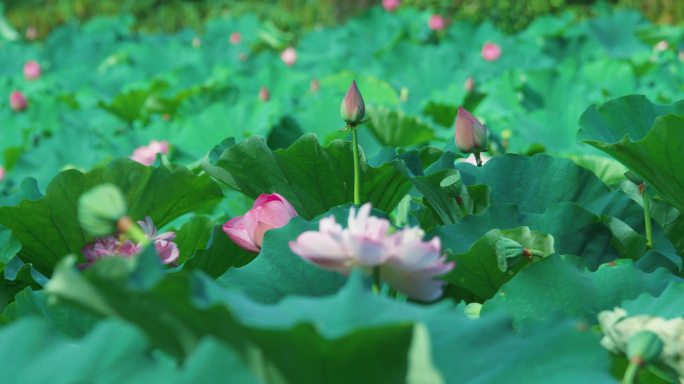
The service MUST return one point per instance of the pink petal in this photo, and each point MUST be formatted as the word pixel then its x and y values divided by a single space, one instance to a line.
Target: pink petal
pixel 235 229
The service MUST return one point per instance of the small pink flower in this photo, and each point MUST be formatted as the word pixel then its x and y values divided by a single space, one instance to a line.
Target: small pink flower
pixel 18 101
pixel 31 33
pixel 390 5
pixel 2 173
pixel 315 86
pixel 166 248
pixel 491 51
pixel 470 136
pixel 661 46
pixel 469 84
pixel 289 56
pixel 264 94
pixel 243 56
pixel 268 212
pixel 196 42
pixel 146 155
pixel 235 38
pixel 405 261
pixel 31 70
pixel 436 23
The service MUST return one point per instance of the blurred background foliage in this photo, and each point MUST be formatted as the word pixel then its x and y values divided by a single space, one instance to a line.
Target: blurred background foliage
pixel 172 15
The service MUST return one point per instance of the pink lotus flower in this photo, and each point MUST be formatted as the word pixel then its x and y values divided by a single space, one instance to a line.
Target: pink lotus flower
pixel 289 56
pixel 268 212
pixel 436 23
pixel 264 94
pixel 31 70
pixel 2 173
pixel 18 101
pixel 390 5
pixel 471 136
pixel 118 245
pixel 147 154
pixel 353 108
pixel 469 84
pixel 405 261
pixel 491 51
pixel 31 33
pixel 235 38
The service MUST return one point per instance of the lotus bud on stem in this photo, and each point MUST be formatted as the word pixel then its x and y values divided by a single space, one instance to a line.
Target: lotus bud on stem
pixel 642 348
pixel 352 111
pixel 470 136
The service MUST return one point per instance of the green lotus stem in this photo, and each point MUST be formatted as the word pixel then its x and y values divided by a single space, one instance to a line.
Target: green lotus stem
pixel 478 160
pixel 357 167
pixel 376 280
pixel 647 221
pixel 630 376
pixel 133 231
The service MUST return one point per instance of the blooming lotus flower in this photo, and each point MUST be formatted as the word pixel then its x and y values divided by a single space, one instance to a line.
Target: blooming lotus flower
pixel 147 154
pixel 289 56
pixel 264 94
pixel 436 23
pixel 268 212
pixel 235 38
pixel 117 245
pixel 2 173
pixel 404 260
pixel 18 101
pixel 469 84
pixel 491 51
pixel 31 70
pixel 353 108
pixel 471 136
pixel 390 5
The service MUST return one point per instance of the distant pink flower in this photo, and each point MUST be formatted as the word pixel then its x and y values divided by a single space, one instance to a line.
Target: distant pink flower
pixel 471 159
pixel 391 5
pixel 196 42
pixel 315 86
pixel 289 56
pixel 264 94
pixel 18 101
pixel 31 70
pixel 405 261
pixel 31 33
pixel 436 23
pixel 491 51
pixel 147 154
pixel 2 173
pixel 269 211
pixel 243 56
pixel 469 84
pixel 661 46
pixel 235 38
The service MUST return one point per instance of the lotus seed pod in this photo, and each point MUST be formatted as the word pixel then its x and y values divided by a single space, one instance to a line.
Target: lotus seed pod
pixel 100 208
pixel 508 253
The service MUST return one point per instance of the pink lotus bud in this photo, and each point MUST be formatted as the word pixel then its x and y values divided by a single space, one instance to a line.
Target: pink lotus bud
pixel 2 173
pixel 661 46
pixel 352 108
pixel 268 212
pixel 436 23
pixel 18 101
pixel 31 33
pixel 289 56
pixel 235 38
pixel 315 86
pixel 390 5
pixel 146 155
pixel 491 51
pixel 31 70
pixel 469 84
pixel 264 94
pixel 471 136
pixel 196 42
pixel 243 56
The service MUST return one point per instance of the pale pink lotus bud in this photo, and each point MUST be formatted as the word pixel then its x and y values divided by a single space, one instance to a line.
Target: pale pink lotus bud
pixel 31 33
pixel 18 101
pixel 235 38
pixel 661 46
pixel 289 56
pixel 390 5
pixel 268 212
pixel 196 42
pixel 469 84
pixel 147 154
pixel 471 136
pixel 2 173
pixel 436 23
pixel 353 108
pixel 264 94
pixel 31 70
pixel 491 51
pixel 315 86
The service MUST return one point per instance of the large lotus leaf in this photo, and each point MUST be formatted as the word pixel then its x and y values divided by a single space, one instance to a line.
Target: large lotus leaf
pixel 394 129
pixel 325 335
pixel 48 228
pixel 9 246
pixel 193 235
pixel 657 158
pixel 218 254
pixel 311 177
pixel 617 33
pixel 668 304
pixel 561 284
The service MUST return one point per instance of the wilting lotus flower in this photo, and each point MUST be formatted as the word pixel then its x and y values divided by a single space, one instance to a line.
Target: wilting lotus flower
pixel 390 5
pixel 469 84
pixel 117 245
pixel 289 56
pixel 235 38
pixel 18 101
pixel 268 212
pixel 405 261
pixel 471 136
pixel 146 155
pixel 2 173
pixel 264 94
pixel 353 108
pixel 31 70
pixel 436 23
pixel 491 51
